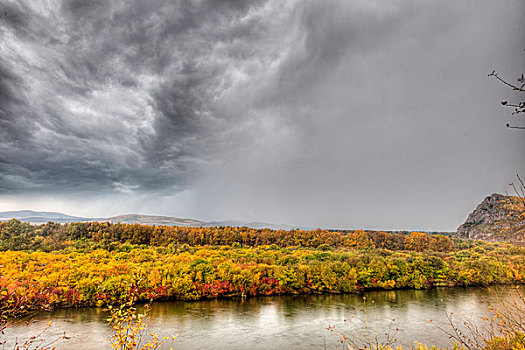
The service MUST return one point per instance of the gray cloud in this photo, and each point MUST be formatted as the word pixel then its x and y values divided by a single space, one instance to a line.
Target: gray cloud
pixel 101 94
pixel 333 113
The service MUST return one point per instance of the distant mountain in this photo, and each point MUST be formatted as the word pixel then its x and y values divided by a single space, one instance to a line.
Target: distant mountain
pixel 154 220
pixel 30 213
pixel 496 218
pixel 43 217
pixel 38 217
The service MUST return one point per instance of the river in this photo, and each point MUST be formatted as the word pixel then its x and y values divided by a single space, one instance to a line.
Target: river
pixel 280 322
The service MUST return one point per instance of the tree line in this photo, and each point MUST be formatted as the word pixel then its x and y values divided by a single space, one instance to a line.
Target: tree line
pixel 17 235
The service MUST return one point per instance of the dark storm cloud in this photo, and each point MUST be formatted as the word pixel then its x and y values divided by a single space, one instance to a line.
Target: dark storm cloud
pixel 331 113
pixel 104 95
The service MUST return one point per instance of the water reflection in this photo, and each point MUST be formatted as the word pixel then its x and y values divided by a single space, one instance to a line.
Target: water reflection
pixel 291 322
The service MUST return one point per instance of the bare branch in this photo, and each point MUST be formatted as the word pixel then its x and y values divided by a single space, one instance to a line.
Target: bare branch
pixel 515 127
pixel 514 87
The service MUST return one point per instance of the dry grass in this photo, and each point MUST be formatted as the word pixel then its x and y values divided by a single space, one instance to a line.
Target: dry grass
pixel 130 331
pixel 503 329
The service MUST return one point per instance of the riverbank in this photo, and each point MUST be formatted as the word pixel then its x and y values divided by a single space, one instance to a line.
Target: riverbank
pixel 74 278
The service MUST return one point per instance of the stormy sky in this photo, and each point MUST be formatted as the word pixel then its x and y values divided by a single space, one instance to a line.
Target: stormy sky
pixel 351 113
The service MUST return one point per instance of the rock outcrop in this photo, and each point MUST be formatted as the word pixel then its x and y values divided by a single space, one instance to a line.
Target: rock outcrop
pixel 497 218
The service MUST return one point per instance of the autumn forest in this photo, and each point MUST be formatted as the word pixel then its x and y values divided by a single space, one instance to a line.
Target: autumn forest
pixel 99 264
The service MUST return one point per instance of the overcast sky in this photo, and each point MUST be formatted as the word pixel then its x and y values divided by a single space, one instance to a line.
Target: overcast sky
pixel 351 113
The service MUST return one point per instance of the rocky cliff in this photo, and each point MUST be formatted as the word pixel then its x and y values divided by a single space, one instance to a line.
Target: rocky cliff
pixel 497 218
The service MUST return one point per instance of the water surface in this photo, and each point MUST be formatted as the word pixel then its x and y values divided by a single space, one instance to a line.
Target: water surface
pixel 285 322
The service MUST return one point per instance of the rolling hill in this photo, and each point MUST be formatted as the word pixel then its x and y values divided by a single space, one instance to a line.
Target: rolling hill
pixel 34 217
pixel 39 217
